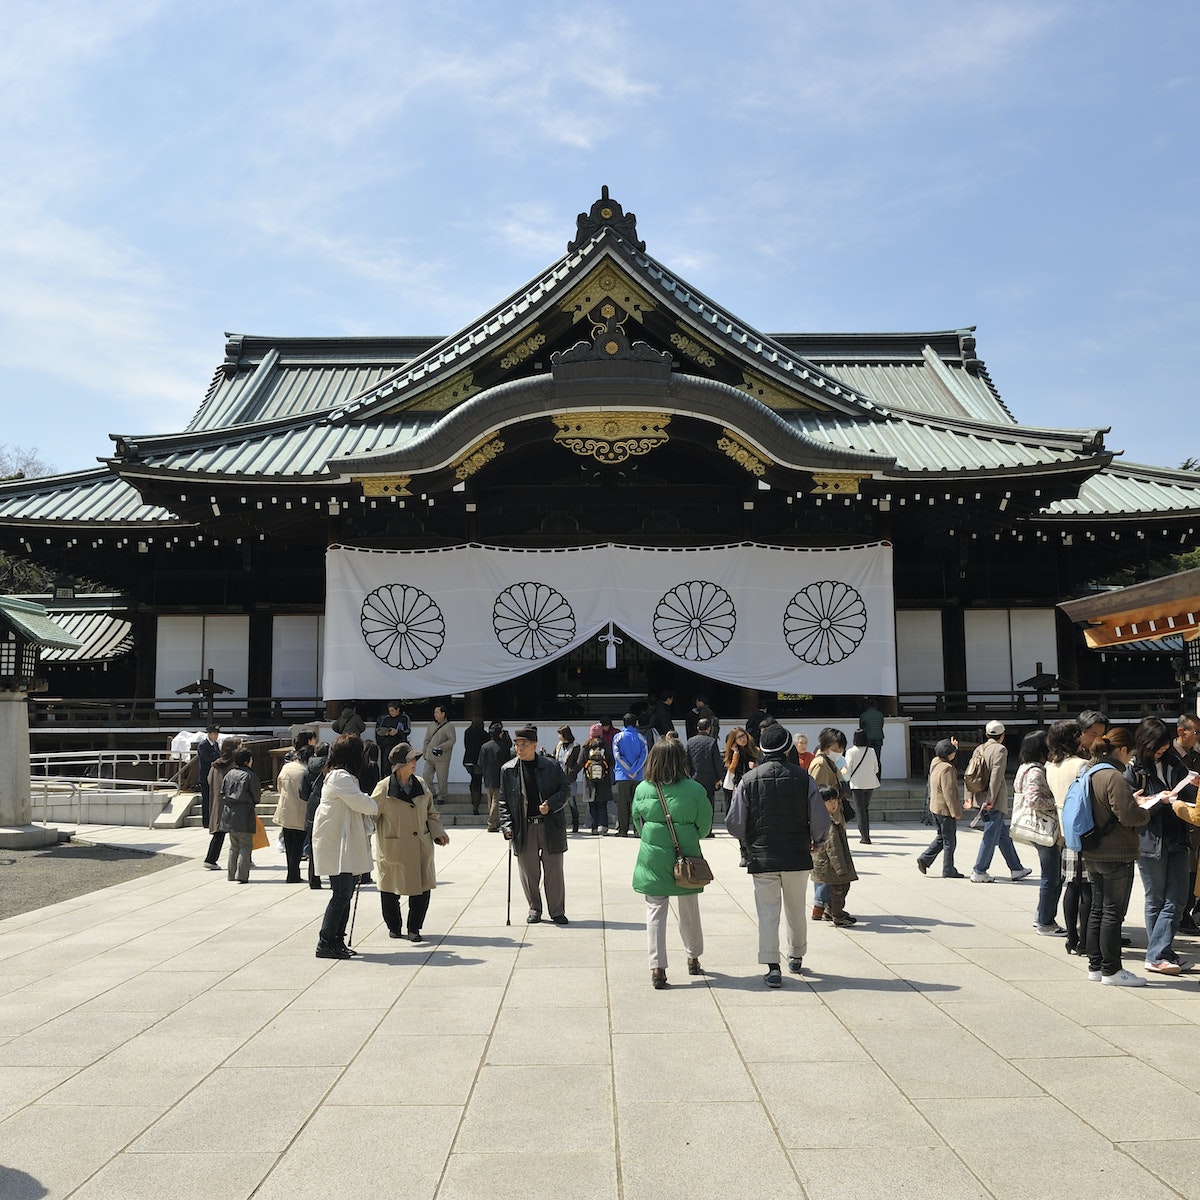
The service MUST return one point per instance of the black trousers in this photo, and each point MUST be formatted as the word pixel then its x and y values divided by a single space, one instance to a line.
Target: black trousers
pixel 293 848
pixel 418 906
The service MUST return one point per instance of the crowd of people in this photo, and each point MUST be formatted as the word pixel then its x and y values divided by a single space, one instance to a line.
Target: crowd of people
pixel 789 808
pixel 1132 791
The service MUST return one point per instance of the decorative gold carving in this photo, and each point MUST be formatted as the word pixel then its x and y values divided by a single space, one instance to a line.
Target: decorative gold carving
pixel 741 453
pixel 763 389
pixel 384 485
pixel 838 483
pixel 517 352
pixel 607 283
pixel 478 456
pixel 447 395
pixel 611 437
pixel 693 349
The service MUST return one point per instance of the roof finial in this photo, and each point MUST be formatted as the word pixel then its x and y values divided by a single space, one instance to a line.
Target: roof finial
pixel 605 214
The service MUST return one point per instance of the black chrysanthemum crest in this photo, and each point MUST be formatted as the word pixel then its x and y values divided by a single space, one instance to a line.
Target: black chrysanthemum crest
pixel 533 621
pixel 403 626
pixel 824 622
pixel 695 620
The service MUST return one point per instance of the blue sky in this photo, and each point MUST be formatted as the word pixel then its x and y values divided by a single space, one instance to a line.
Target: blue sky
pixel 176 170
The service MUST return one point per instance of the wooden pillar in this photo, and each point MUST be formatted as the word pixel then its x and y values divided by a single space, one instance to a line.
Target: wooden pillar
pixel 473 705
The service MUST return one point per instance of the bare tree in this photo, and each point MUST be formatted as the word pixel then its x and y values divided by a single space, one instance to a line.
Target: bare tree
pixel 17 575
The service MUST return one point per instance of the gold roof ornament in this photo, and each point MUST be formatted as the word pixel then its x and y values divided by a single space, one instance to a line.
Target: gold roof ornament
pixel 611 437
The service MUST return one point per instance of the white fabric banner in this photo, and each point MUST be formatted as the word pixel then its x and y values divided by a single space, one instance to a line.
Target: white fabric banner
pixel 431 622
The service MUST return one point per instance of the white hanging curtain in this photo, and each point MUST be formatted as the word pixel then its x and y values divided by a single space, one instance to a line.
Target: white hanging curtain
pixel 429 622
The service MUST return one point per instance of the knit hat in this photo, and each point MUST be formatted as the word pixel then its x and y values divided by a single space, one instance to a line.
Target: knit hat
pixel 944 748
pixel 596 730
pixel 773 738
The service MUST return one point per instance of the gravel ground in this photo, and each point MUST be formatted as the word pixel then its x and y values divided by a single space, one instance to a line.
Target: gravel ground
pixel 32 879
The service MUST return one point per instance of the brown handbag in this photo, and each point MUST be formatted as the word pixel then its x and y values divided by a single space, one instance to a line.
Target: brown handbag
pixel 691 871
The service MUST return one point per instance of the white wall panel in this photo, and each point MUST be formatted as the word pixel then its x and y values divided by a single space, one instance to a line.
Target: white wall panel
pixel 920 665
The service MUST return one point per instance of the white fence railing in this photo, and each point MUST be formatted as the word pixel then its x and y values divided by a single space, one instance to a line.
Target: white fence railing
pixel 103 787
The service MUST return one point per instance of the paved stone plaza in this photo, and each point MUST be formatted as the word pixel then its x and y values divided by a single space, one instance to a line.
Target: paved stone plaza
pixel 174 1037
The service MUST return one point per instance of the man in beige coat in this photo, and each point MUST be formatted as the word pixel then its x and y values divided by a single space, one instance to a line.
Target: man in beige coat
pixel 439 742
pixel 994 801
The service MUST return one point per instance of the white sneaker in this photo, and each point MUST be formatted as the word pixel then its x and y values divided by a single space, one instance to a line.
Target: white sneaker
pixel 1021 872
pixel 1050 930
pixel 982 877
pixel 1124 979
pixel 1095 976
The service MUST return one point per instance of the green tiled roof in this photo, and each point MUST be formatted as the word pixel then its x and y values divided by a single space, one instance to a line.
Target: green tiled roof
pixel 31 621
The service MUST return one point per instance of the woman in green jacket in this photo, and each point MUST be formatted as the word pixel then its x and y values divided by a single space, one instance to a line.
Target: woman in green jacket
pixel 665 776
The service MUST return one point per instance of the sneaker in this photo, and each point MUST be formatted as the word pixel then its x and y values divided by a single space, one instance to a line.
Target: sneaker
pixel 795 965
pixel 604 831
pixel 774 976
pixel 212 866
pixel 1124 979
pixel 1095 976
pixel 922 865
pixel 1163 967
pixel 1021 872
pixel 1050 930
pixel 982 877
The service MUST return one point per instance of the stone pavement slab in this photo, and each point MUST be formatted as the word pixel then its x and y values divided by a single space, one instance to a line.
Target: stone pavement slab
pixel 173 1036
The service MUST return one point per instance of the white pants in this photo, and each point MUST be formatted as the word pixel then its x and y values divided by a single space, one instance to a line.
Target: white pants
pixel 786 891
pixel 688 908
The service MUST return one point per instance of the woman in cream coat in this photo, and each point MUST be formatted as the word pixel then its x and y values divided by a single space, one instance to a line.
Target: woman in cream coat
pixel 341 841
pixel 406 830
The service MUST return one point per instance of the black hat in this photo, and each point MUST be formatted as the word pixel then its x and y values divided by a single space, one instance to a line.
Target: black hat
pixel 527 733
pixel 213 729
pixel 773 738
pixel 944 748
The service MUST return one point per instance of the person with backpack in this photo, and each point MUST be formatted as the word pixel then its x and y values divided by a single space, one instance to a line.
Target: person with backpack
pixel 992 761
pixel 1110 847
pixel 597 768
pixel 1065 759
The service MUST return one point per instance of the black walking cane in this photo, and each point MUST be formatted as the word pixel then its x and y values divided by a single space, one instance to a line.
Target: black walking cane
pixel 508 908
pixel 354 910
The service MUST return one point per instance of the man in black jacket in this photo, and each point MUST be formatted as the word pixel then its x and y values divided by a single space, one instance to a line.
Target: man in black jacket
pixel 533 802
pixel 778 814
pixel 704 761
pixel 207 753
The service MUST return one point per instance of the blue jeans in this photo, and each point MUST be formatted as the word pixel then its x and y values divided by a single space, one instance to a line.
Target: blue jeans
pixel 1165 881
pixel 822 893
pixel 1111 886
pixel 337 911
pixel 995 834
pixel 1052 881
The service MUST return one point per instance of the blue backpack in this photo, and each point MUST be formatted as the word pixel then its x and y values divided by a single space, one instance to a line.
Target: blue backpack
pixel 1078 823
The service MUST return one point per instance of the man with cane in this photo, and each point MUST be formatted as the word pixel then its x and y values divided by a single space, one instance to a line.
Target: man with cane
pixel 533 802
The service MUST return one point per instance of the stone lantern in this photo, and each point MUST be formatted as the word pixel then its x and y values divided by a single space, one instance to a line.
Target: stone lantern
pixel 24 628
